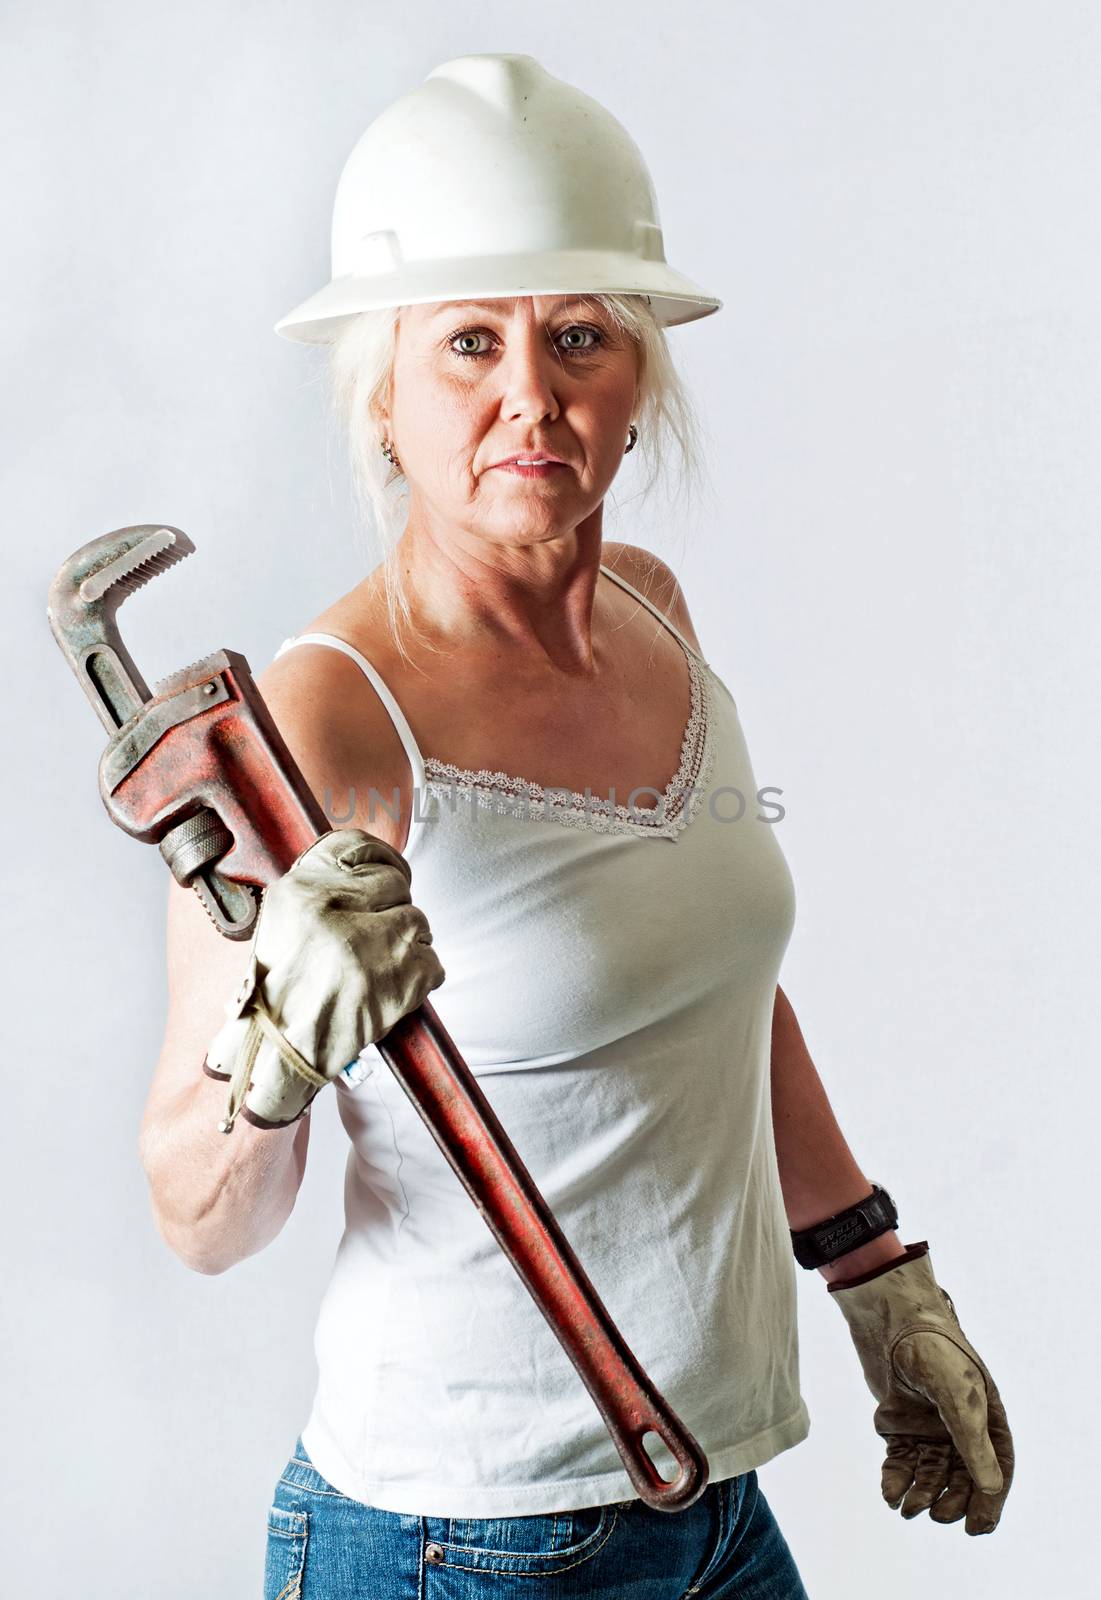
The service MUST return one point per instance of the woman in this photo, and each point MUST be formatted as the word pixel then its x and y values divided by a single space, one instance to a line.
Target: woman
pixel 497 312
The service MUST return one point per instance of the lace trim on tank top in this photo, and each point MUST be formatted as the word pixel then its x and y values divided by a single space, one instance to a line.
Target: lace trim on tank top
pixel 508 794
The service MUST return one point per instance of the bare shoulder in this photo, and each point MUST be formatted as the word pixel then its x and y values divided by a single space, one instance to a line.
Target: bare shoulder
pixel 652 577
pixel 331 705
pixel 326 708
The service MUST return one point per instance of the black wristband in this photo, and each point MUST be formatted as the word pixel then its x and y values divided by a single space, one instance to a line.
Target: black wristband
pixel 845 1230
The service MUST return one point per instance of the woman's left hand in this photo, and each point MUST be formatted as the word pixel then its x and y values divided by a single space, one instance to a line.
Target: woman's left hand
pixel 949 1449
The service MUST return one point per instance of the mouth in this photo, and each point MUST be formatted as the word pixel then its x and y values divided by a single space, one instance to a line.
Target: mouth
pixel 535 468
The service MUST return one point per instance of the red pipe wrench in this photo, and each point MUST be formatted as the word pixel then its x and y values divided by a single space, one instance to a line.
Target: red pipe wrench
pixel 200 769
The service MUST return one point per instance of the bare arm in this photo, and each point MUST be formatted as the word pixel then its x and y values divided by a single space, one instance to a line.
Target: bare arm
pixel 818 1172
pixel 216 1197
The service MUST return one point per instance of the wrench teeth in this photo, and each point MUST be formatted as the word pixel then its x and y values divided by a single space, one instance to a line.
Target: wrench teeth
pixel 147 559
pixel 181 674
pixel 150 568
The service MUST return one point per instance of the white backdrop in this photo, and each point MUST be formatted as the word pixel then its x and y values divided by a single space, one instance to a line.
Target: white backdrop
pixel 898 578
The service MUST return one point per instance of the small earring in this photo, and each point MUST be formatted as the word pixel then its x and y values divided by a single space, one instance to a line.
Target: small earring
pixel 388 452
pixel 633 431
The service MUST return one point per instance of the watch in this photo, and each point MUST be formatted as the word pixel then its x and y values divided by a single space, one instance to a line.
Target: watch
pixel 845 1230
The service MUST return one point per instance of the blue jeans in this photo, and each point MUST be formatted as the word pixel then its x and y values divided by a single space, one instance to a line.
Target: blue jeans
pixel 324 1546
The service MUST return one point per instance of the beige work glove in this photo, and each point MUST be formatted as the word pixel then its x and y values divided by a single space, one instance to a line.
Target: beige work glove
pixel 339 955
pixel 939 1409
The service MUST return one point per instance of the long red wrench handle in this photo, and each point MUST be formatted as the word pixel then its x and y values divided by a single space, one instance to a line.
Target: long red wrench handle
pixel 201 770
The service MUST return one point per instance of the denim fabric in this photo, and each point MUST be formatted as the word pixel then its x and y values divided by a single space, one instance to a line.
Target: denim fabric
pixel 324 1546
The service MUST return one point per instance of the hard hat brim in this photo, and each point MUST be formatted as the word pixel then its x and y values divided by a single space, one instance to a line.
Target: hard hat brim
pixel 674 298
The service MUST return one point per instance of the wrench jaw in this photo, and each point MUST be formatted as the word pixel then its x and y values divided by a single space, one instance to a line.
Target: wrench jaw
pixel 83 600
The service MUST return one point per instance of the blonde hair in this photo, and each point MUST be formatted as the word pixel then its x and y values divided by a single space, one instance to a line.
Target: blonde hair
pixel 360 372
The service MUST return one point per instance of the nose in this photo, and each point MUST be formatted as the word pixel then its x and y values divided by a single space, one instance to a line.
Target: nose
pixel 527 375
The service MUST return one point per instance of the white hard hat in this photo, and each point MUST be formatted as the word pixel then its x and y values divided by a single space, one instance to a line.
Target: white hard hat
pixel 493 178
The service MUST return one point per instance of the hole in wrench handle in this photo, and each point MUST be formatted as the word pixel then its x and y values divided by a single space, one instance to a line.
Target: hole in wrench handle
pixel 662 1494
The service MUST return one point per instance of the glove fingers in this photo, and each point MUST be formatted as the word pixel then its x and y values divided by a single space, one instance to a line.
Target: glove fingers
pixel 897 1473
pixel 934 1459
pixel 225 1047
pixel 954 1501
pixel 941 1372
pixel 374 886
pixel 983 1512
pixel 984 1509
pixel 347 871
pixel 404 989
pixel 358 858
pixel 417 923
pixel 998 1427
pixel 916 1472
pixel 354 851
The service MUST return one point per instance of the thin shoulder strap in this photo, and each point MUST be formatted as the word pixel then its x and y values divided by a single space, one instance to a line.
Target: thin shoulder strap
pixel 397 715
pixel 650 606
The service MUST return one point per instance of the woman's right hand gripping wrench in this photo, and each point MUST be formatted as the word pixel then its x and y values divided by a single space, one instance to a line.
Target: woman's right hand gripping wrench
pixel 340 954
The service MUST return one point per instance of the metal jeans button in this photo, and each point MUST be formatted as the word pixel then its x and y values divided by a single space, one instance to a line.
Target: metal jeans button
pixel 434 1552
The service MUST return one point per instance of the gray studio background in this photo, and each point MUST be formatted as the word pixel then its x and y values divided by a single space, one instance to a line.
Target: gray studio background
pixel 897 576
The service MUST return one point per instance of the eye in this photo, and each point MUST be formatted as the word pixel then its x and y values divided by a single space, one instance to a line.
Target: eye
pixel 468 333
pixel 581 328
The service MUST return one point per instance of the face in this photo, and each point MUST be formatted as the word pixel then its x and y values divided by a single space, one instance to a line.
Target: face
pixel 474 384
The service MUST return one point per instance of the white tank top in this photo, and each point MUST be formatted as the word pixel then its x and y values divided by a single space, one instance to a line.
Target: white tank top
pixel 610 982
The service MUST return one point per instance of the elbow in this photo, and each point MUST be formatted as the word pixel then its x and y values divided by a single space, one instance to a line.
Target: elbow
pixel 181 1237
pixel 195 1253
pixel 212 1225
pixel 188 1242
pixel 206 1265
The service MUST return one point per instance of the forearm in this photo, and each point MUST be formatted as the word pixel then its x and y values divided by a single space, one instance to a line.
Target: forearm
pixel 818 1173
pixel 217 1197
